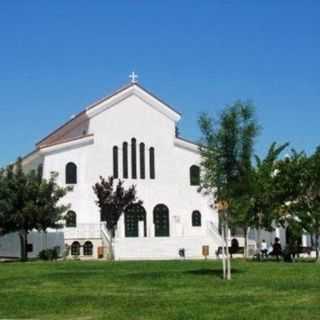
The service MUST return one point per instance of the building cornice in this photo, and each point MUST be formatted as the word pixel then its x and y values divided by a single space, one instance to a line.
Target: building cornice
pixel 67 144
pixel 186 144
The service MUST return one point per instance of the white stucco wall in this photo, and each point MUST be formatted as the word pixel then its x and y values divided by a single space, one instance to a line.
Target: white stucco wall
pixel 134 117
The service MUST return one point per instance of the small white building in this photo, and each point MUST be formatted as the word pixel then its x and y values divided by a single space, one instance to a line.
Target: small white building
pixel 131 135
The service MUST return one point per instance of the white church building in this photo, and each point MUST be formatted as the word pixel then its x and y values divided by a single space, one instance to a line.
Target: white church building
pixel 130 135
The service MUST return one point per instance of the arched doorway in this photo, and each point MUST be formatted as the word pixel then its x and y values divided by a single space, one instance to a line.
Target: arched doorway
pixel 132 216
pixel 161 221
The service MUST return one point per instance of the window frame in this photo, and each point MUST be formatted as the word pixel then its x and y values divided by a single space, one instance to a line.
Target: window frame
pixel 71 173
pixel 115 160
pixel 152 167
pixel 73 216
pixel 194 175
pixel 142 161
pixel 125 170
pixel 88 249
pixel 196 218
pixel 133 158
pixel 72 248
pixel 164 229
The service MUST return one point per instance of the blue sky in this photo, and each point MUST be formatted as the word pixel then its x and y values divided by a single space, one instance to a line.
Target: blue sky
pixel 56 57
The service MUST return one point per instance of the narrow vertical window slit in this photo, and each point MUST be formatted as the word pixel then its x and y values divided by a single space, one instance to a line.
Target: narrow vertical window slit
pixel 142 161
pixel 133 158
pixel 152 164
pixel 115 163
pixel 125 160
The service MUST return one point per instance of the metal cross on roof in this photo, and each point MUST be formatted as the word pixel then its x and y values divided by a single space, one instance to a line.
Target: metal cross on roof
pixel 133 76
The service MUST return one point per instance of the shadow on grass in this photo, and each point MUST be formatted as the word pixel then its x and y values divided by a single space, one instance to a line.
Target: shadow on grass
pixel 169 274
pixel 274 261
pixel 211 272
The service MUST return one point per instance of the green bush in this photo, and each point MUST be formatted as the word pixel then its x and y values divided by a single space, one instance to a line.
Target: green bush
pixel 49 254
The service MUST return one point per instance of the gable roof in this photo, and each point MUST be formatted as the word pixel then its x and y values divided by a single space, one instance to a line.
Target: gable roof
pixel 100 105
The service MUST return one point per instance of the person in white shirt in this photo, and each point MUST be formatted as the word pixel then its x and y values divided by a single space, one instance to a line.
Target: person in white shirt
pixel 264 249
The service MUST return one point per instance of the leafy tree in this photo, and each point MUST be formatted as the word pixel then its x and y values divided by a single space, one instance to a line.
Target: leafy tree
pixel 113 200
pixel 48 213
pixel 25 206
pixel 266 199
pixel 299 175
pixel 226 153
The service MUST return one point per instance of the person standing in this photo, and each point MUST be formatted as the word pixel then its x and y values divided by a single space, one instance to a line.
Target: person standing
pixel 277 250
pixel 264 249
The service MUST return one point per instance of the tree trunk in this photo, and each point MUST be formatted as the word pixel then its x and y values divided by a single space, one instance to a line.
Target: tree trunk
pixel 23 237
pixel 223 252
pixel 317 247
pixel 245 232
pixel 112 236
pixel 45 239
pixel 258 244
pixel 227 251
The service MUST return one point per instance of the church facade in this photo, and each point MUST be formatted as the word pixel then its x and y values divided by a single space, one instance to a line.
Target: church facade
pixel 130 135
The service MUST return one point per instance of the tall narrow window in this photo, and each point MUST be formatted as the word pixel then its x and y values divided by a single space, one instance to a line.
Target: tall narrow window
pixel 194 175
pixel 132 216
pixel 152 166
pixel 115 162
pixel 133 158
pixel 71 173
pixel 142 162
pixel 161 220
pixel 196 219
pixel 125 159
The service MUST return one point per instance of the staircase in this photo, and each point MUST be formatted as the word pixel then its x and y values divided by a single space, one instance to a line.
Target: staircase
pixel 166 248
pixel 214 233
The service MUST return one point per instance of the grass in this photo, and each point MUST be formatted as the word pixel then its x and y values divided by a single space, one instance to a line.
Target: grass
pixel 159 290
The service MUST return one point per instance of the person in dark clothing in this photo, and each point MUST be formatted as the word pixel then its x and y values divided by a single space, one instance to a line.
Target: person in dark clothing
pixel 277 250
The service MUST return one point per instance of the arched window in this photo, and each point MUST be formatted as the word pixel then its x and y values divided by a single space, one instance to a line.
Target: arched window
pixel 75 248
pixel 115 162
pixel 71 219
pixel 196 219
pixel 71 173
pixel 152 165
pixel 132 216
pixel 133 158
pixel 142 161
pixel 194 175
pixel 161 220
pixel 88 248
pixel 125 160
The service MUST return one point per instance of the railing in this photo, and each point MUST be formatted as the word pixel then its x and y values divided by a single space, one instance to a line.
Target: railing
pixel 104 233
pixel 214 232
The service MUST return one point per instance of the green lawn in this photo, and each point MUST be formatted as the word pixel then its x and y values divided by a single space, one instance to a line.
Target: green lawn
pixel 159 290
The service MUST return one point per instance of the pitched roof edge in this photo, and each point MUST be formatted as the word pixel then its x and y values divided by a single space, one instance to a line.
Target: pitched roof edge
pixel 66 141
pixel 92 105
